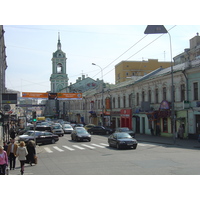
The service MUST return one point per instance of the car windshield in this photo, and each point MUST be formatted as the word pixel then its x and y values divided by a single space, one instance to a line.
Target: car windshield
pixel 81 131
pixel 67 126
pixel 56 127
pixel 123 135
pixel 124 129
pixel 36 134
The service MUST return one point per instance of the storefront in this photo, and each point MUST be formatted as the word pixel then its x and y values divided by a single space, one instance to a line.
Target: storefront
pixel 126 118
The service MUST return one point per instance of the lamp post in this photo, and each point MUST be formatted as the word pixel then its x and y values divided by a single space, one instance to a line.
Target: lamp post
pixel 101 93
pixel 160 29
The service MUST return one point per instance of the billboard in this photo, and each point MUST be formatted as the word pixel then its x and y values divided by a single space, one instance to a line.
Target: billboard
pixel 69 96
pixel 9 98
pixel 52 96
pixel 34 95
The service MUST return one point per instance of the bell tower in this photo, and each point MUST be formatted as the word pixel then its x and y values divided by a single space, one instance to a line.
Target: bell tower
pixel 59 78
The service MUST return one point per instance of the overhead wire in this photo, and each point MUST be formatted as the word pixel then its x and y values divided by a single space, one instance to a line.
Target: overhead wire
pixel 140 49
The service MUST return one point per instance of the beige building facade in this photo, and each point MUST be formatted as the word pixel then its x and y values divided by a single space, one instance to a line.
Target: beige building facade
pixel 133 69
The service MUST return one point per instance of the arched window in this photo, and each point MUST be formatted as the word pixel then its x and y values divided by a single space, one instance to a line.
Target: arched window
pixel 59 68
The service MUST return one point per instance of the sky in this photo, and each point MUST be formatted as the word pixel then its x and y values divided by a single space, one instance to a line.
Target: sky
pixel 29 50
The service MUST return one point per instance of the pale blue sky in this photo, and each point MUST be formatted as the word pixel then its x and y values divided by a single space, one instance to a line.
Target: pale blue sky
pixel 29 50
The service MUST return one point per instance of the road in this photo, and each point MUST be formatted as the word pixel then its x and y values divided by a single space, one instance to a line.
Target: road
pixel 67 157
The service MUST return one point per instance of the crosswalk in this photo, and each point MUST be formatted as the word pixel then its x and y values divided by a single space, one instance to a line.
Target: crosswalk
pixel 91 146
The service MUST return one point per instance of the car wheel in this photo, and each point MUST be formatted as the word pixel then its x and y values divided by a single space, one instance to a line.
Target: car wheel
pixel 118 146
pixel 89 140
pixel 72 138
pixel 53 141
pixel 77 139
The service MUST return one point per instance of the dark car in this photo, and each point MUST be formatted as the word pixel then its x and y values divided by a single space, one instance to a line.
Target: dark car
pixel 199 138
pixel 122 140
pixel 100 130
pixel 41 137
pixel 80 134
pixel 125 129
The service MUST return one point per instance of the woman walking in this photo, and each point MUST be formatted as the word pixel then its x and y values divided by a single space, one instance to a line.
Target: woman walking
pixel 21 153
pixel 3 161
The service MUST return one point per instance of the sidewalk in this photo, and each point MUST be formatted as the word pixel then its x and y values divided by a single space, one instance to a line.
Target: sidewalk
pixel 183 143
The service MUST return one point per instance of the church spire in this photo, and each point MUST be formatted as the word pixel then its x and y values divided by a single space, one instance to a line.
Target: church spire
pixel 59 44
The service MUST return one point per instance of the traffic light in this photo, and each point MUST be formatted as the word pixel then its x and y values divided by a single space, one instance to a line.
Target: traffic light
pixel 34 116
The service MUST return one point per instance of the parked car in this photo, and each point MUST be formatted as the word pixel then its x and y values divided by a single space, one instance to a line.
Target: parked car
pixel 122 140
pixel 100 130
pixel 41 137
pixel 80 134
pixel 57 130
pixel 125 129
pixel 67 128
pixel 199 138
pixel 88 126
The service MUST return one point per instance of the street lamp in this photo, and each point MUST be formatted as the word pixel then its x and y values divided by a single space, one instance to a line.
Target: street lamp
pixel 101 93
pixel 160 29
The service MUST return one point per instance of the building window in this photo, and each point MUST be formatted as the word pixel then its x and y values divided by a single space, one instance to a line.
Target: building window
pixel 130 100
pixel 182 92
pixel 149 95
pixel 164 93
pixel 137 99
pixel 195 90
pixel 118 102
pixel 124 101
pixel 143 96
pixel 165 125
pixel 126 73
pixel 113 102
pixel 156 96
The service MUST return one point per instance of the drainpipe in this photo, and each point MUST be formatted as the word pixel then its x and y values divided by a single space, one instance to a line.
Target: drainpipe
pixel 187 97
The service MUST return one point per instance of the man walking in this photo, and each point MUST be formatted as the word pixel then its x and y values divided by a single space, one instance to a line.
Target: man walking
pixel 11 152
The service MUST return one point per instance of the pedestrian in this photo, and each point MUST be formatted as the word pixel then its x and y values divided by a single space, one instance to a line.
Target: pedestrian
pixel 11 152
pixel 21 154
pixel 181 132
pixel 31 152
pixel 3 161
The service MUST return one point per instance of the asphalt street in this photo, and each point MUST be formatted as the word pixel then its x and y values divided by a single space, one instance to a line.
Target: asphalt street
pixel 67 157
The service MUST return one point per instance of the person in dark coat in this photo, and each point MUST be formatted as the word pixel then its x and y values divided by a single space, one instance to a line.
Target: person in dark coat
pixel 31 152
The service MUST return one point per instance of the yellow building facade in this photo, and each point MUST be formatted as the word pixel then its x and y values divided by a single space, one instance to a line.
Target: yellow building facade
pixel 128 69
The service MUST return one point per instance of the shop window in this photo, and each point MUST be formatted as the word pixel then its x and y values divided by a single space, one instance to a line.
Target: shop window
pixel 124 101
pixel 165 125
pixel 113 102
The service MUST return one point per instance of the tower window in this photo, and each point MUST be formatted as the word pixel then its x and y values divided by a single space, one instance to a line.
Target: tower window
pixel 59 68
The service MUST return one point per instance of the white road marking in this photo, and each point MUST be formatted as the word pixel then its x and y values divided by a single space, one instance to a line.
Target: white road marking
pixel 96 145
pixel 66 147
pixel 55 147
pixel 48 150
pixel 104 144
pixel 78 147
pixel 88 146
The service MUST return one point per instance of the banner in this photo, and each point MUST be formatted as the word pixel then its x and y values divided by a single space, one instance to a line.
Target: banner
pixel 69 96
pixel 52 96
pixel 34 95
